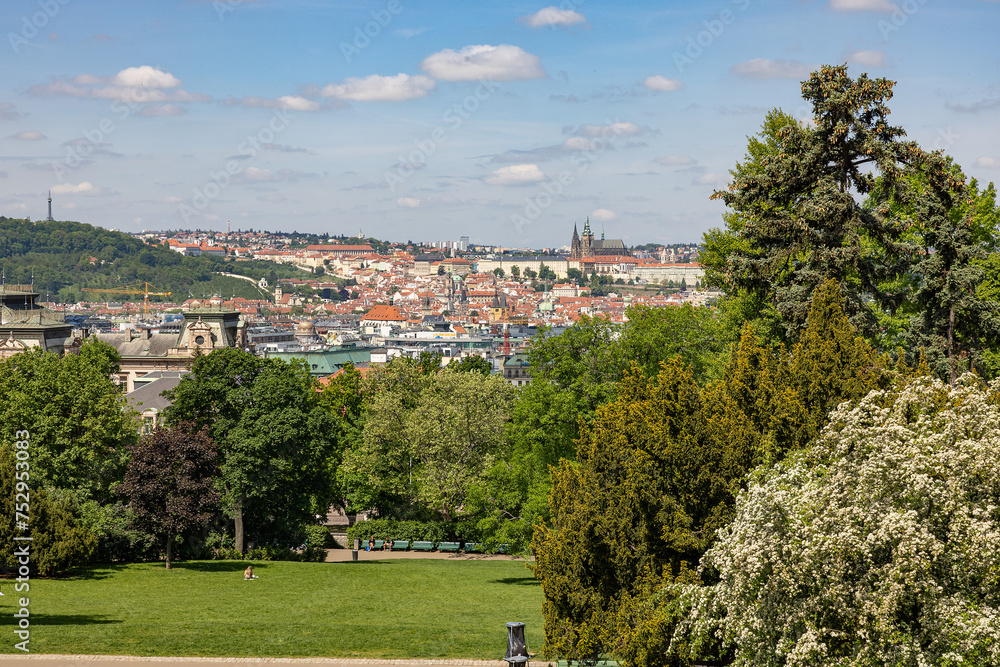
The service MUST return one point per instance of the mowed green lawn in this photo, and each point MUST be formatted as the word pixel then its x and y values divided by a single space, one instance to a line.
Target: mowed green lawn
pixel 373 609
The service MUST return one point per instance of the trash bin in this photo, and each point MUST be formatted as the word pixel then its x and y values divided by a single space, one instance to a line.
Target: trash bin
pixel 517 645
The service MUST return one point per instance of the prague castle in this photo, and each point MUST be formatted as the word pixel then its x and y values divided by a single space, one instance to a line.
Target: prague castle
pixel 586 246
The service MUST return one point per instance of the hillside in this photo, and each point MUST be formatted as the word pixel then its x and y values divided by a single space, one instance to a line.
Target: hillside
pixel 64 257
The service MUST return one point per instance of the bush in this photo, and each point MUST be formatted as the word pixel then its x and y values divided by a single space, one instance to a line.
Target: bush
pixel 117 540
pixel 391 529
pixel 59 541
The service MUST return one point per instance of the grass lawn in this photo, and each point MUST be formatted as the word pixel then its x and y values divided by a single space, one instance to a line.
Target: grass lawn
pixel 373 609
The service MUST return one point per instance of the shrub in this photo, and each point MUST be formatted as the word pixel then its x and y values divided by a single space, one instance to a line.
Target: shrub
pixel 117 540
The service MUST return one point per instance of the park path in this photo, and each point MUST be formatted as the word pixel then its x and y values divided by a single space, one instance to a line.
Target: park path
pixel 116 661
pixel 342 555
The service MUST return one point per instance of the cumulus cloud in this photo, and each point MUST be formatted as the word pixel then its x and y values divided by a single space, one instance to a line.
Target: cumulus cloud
pixel 144 84
pixel 862 5
pixel 516 174
pixel 29 135
pixel 408 202
pixel 762 68
pixel 553 16
pixel 867 58
pixel 603 215
pixel 675 161
pixel 661 84
pixel 986 162
pixel 376 88
pixel 497 63
pixel 85 188
pixel 145 77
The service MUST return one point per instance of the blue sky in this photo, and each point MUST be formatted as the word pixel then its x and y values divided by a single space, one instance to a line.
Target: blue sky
pixel 507 122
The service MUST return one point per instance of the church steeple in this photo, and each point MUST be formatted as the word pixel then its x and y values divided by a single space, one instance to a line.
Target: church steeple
pixel 50 206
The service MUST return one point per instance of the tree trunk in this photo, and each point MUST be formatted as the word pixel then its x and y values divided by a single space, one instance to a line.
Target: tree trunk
pixel 170 547
pixel 238 524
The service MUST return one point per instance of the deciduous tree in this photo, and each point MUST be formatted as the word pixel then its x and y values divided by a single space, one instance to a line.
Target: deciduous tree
pixel 169 482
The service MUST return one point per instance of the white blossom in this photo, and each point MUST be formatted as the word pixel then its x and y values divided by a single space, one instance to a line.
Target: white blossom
pixel 878 545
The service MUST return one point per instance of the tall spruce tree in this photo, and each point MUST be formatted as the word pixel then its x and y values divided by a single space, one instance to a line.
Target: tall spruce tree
pixel 954 322
pixel 801 220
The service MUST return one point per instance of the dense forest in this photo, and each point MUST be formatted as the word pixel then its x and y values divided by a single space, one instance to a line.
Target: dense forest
pixel 60 258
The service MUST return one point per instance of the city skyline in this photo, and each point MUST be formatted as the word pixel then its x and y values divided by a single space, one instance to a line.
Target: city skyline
pixel 505 122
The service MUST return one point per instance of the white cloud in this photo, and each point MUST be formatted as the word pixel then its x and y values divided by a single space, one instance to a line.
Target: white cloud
pixel 762 68
pixel 29 135
pixel 862 5
pixel 289 102
pixel 497 63
pixel 516 174
pixel 257 175
pixel 579 144
pixel 603 215
pixel 145 77
pixel 867 58
pixel 85 188
pixel 142 85
pixel 661 84
pixel 713 179
pixel 676 161
pixel 408 202
pixel 376 88
pixel 161 110
pixel 617 129
pixel 985 162
pixel 553 16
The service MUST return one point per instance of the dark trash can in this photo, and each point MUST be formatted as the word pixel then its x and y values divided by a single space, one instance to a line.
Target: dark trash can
pixel 517 645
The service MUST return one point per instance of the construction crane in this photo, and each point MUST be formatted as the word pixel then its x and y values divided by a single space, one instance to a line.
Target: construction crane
pixel 145 293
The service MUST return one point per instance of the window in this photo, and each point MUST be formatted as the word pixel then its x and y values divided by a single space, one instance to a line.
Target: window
pixel 200 340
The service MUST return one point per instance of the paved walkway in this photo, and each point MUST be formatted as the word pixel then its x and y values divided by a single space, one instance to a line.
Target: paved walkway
pixel 342 555
pixel 32 660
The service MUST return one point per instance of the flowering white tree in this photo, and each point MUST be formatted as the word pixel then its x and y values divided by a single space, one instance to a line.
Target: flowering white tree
pixel 878 545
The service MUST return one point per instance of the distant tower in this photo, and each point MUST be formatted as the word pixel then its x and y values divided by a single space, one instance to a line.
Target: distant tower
pixel 50 206
pixel 587 240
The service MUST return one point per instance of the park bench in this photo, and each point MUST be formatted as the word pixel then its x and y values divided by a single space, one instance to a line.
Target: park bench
pixel 473 548
pixel 448 546
pixel 400 545
pixel 420 545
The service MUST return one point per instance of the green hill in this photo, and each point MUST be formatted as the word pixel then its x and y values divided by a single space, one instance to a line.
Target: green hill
pixel 61 258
